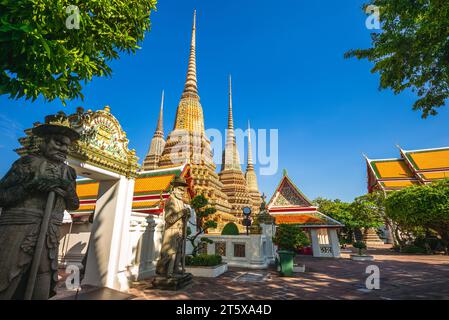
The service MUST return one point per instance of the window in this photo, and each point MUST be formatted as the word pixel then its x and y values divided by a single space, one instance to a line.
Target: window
pixel 220 248
pixel 239 250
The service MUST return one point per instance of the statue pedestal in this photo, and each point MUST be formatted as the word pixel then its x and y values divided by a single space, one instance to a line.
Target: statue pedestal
pixel 177 282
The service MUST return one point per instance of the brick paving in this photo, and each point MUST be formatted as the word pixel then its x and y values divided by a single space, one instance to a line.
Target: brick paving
pixel 401 277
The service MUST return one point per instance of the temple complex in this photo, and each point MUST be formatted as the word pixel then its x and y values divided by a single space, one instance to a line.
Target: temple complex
pixel 413 167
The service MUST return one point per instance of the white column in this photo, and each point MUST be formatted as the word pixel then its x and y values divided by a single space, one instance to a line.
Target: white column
pixel 315 243
pixel 256 258
pixel 108 257
pixel 335 243
pixel 267 230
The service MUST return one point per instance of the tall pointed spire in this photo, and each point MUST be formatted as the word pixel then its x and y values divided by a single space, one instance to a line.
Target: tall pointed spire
pixel 230 118
pixel 251 177
pixel 189 115
pixel 160 124
pixel 231 175
pixel 157 145
pixel 191 85
pixel 249 165
pixel 231 159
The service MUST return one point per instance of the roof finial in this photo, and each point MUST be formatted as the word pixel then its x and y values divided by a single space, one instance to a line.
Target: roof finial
pixel 284 172
pixel 191 85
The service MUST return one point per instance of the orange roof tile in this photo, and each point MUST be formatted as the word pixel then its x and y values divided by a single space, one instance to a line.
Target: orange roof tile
pixel 429 159
pixel 298 219
pixel 87 190
pixel 399 183
pixel 153 184
pixel 145 204
pixel 435 175
pixel 396 168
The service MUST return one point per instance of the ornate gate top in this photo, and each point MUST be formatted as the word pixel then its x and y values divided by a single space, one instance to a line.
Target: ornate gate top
pixel 103 142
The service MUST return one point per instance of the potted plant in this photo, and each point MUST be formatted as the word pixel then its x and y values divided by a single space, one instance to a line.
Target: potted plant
pixel 361 246
pixel 288 238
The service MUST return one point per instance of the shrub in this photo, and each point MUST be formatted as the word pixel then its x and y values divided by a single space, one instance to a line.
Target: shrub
pixel 359 245
pixel 413 249
pixel 230 229
pixel 290 237
pixel 204 260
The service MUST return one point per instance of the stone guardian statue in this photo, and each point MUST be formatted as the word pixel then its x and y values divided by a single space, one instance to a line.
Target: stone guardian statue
pixel 24 197
pixel 176 215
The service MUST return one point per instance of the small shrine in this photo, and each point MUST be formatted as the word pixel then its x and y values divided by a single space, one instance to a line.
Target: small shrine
pixel 289 205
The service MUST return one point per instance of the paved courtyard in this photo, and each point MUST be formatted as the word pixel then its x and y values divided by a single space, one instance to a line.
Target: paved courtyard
pixel 401 277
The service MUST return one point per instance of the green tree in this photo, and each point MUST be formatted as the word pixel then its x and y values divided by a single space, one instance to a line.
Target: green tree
pixel 367 212
pixel 45 51
pixel 290 237
pixel 422 207
pixel 412 50
pixel 339 211
pixel 203 212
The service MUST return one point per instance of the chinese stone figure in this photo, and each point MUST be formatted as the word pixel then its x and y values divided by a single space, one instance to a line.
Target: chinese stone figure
pixel 24 192
pixel 176 215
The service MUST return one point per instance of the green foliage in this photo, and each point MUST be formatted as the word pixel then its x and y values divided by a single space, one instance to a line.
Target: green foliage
pixel 204 260
pixel 199 202
pixel 40 55
pixel 290 237
pixel 367 211
pixel 411 249
pixel 359 245
pixel 424 207
pixel 230 229
pixel 337 210
pixel 203 211
pixel 412 50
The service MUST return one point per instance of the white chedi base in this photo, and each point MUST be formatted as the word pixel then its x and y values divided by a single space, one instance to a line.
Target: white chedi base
pixel 207 272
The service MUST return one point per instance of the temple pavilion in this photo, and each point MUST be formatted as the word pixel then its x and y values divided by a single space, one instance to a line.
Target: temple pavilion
pixel 413 167
pixel 289 205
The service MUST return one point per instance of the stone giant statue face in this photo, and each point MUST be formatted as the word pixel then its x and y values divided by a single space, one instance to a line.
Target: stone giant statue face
pixel 179 192
pixel 56 147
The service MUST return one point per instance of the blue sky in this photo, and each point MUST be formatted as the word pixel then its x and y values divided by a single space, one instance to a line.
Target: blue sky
pixel 288 70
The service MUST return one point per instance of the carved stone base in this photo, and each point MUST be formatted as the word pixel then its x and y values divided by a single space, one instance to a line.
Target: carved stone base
pixel 177 282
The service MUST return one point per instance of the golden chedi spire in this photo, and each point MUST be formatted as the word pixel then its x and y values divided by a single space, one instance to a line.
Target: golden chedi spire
pixel 251 177
pixel 189 115
pixel 231 175
pixel 188 143
pixel 191 85
pixel 151 161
